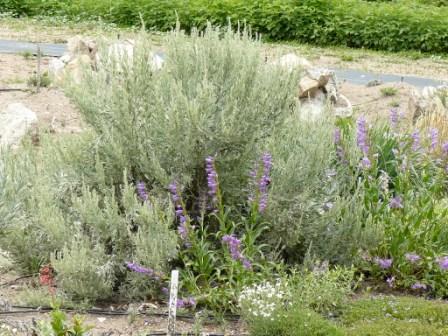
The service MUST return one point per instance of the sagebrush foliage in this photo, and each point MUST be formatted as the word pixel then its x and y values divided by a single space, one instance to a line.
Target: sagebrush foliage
pixel 59 203
pixel 213 96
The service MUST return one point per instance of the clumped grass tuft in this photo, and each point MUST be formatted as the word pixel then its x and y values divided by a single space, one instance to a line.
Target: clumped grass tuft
pixel 389 91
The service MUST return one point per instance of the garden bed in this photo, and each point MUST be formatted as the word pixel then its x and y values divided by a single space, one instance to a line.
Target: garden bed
pixel 207 164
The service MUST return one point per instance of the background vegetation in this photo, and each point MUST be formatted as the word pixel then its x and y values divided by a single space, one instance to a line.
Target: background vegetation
pixel 380 25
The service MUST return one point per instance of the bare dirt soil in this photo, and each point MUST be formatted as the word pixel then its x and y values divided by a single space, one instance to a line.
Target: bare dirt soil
pixel 21 323
pixel 54 110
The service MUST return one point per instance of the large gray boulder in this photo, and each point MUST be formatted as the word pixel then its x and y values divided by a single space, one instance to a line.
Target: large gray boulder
pixel 15 121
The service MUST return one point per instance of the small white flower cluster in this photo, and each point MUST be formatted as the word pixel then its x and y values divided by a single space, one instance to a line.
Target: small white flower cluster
pixel 265 300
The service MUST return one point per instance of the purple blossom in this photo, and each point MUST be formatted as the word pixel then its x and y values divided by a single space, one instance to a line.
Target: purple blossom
pixel 419 285
pixel 361 134
pixel 394 118
pixel 165 290
pixel 415 140
pixel 259 188
pixel 365 163
pixel 212 178
pixel 337 136
pixel 139 269
pixel 247 264
pixel 445 148
pixel 182 229
pixel 264 182
pixel 173 190
pixel 412 257
pixel 434 137
pixel 443 263
pixel 383 263
pixel 186 302
pixel 134 267
pixel 396 203
pixel 390 281
pixel 141 191
pixel 234 245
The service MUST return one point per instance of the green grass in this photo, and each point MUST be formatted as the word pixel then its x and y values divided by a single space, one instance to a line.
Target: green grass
pixel 389 91
pixel 396 316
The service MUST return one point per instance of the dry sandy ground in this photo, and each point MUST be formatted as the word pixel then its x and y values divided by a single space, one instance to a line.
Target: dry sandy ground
pixel 53 108
pixel 57 114
pixel 103 325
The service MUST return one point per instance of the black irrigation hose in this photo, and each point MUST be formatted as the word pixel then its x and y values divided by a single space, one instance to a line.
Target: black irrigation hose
pixel 29 309
pixel 185 334
pixel 17 279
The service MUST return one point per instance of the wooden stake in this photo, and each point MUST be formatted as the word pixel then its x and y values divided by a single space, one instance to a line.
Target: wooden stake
pixel 173 303
pixel 38 68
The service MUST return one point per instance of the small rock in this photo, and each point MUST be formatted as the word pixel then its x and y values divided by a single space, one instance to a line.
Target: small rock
pixel 75 67
pixel 146 306
pixel 292 61
pixel 375 82
pixel 56 69
pixel 321 75
pixel 15 122
pixel 429 100
pixel 343 107
pixel 78 45
pixel 308 87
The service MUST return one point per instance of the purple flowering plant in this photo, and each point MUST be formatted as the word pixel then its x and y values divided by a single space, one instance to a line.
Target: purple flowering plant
pixel 215 249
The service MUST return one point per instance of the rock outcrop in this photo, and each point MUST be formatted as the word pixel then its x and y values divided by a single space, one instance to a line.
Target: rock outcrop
pixel 15 121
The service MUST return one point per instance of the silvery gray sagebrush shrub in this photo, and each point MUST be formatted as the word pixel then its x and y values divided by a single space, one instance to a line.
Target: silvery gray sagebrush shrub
pixel 214 96
pixel 59 203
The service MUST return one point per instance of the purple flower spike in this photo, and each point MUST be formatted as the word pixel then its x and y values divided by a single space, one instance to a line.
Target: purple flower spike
pixel 181 215
pixel 212 178
pixel 337 136
pixel 443 263
pixel 173 190
pixel 396 203
pixel 361 134
pixel 234 245
pixel 264 182
pixel 383 263
pixel 412 257
pixel 365 163
pixel 143 270
pixel 434 137
pixel 141 191
pixel 394 118
pixel 186 303
pixel 247 264
pixel 445 148
pixel 415 141
pixel 419 285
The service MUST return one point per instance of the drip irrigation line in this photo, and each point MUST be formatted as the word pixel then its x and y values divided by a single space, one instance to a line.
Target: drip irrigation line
pixel 12 90
pixel 30 309
pixel 186 334
pixel 17 279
